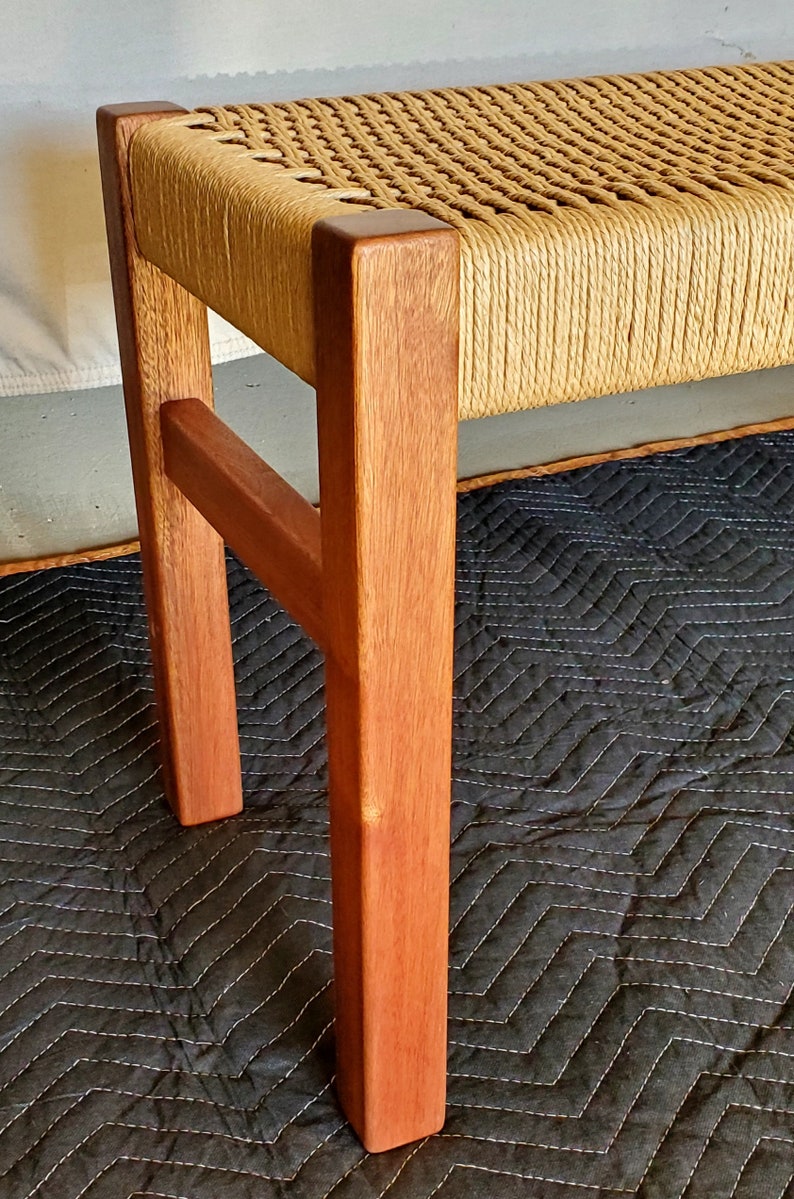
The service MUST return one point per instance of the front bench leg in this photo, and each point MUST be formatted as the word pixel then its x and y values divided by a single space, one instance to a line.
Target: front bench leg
pixel 386 321
pixel 165 356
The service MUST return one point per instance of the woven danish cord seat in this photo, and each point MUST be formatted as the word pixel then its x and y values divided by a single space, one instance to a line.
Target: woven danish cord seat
pixel 616 233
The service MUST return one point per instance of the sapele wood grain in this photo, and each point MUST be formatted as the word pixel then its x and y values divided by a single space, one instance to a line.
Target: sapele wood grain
pixel 165 356
pixel 267 522
pixel 386 293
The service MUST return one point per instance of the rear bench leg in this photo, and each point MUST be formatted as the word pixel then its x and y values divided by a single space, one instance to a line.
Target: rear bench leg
pixel 165 356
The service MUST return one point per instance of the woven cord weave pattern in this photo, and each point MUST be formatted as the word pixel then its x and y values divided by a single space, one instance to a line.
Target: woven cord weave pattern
pixel 616 232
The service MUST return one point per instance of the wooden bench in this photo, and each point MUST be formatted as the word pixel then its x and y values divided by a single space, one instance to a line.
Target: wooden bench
pixel 419 258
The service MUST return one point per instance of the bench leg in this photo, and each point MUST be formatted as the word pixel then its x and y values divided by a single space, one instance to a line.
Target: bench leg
pixel 165 356
pixel 386 288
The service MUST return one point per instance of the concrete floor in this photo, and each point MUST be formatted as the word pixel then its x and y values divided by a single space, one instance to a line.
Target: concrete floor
pixel 64 475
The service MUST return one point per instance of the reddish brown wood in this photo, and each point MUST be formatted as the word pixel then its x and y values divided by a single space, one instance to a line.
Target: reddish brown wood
pixel 267 522
pixel 96 554
pixel 165 356
pixel 386 288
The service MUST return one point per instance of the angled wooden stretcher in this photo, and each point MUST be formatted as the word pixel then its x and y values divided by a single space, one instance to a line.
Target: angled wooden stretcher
pixel 419 258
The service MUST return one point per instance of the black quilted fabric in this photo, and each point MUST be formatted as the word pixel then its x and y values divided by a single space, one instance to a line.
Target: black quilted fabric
pixel 621 953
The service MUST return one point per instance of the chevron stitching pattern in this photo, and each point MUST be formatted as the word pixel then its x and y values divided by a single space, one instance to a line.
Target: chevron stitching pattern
pixel 621 957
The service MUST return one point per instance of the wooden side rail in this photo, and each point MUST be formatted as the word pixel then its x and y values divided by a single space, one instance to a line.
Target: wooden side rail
pixel 266 522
